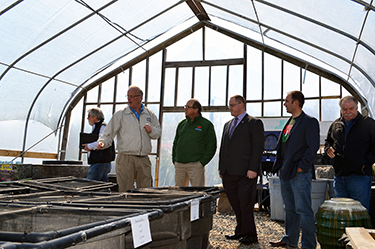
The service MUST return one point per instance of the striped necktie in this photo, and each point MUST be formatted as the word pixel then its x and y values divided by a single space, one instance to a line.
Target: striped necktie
pixel 231 130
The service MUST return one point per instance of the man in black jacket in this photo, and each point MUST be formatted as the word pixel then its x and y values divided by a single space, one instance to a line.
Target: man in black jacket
pixel 351 143
pixel 241 151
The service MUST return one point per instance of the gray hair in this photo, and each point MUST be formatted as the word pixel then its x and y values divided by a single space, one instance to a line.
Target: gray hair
pixel 348 98
pixel 96 111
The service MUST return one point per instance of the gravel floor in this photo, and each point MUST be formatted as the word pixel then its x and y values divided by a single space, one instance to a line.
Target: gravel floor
pixel 224 223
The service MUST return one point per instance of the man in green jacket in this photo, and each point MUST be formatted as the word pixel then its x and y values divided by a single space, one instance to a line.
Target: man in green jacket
pixel 193 147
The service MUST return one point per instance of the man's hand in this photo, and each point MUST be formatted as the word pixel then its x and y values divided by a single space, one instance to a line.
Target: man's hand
pixel 86 148
pixel 147 127
pixel 251 174
pixel 331 152
pixel 100 145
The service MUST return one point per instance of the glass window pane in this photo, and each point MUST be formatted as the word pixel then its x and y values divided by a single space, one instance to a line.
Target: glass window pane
pixel 291 78
pixel 120 107
pixel 235 80
pixel 218 85
pixel 184 85
pixel 187 49
pixel 139 75
pixel 169 86
pixel 222 46
pixel 311 107
pixel 107 111
pixel 166 172
pixel 330 88
pixel 272 109
pixel 254 109
pixel 254 74
pixel 122 86
pixel 154 79
pixel 310 87
pixel 108 88
pixel 201 85
pixel 330 109
pixel 272 77
pixel 92 95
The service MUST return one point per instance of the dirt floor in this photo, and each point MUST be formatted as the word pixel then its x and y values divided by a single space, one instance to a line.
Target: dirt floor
pixel 268 230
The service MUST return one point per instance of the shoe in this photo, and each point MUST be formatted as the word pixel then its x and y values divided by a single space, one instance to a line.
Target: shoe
pixel 278 243
pixel 234 237
pixel 248 240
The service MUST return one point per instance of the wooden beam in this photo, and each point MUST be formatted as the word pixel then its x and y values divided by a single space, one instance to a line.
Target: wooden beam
pixel 172 64
pixel 16 153
pixel 359 238
pixel 198 10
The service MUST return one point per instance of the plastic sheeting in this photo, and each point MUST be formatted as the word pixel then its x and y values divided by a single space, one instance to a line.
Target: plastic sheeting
pixel 49 50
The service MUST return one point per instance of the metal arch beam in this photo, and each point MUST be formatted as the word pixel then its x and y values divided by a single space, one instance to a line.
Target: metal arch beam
pixel 99 71
pixel 290 58
pixel 372 50
pixel 73 101
pixel 301 40
pixel 10 7
pixel 75 62
pixel 359 39
pixel 52 38
pixel 366 5
pixel 320 24
pixel 294 60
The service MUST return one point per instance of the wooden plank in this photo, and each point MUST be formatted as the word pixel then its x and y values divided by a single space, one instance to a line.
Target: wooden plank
pixel 359 238
pixel 207 63
pixel 16 153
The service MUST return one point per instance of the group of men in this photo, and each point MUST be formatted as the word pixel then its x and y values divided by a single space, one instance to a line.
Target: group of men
pixel 350 142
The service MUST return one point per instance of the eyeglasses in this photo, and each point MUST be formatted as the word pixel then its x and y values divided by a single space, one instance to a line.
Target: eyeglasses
pixel 132 96
pixel 188 107
pixel 235 104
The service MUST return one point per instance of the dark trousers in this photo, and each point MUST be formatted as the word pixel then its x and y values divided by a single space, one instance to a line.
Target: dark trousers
pixel 241 192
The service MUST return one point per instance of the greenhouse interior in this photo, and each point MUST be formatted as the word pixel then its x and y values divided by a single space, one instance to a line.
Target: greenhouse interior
pixel 60 58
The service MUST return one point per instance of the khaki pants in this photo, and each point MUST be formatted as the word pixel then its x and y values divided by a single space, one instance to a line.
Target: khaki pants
pixel 189 171
pixel 131 168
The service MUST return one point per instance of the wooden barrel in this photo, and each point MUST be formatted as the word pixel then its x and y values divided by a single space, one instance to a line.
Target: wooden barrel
pixel 336 214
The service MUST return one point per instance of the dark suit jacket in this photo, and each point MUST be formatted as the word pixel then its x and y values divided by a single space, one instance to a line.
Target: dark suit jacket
pixel 299 149
pixel 244 150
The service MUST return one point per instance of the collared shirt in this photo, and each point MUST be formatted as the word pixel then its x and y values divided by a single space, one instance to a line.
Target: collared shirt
pixel 240 117
pixel 136 113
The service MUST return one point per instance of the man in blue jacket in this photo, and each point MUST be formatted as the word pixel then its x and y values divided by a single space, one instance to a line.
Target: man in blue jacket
pixel 296 151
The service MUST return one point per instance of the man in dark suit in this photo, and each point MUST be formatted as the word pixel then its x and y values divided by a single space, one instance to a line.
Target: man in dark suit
pixel 241 151
pixel 296 151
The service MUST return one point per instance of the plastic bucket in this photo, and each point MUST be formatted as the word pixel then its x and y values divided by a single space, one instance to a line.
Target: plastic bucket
pixel 318 193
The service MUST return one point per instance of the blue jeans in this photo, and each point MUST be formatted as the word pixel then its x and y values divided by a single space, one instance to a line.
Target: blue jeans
pixel 357 187
pixel 99 172
pixel 296 194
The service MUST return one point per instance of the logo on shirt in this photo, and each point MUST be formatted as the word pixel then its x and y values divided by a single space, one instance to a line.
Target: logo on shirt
pixel 286 132
pixel 148 119
pixel 198 128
